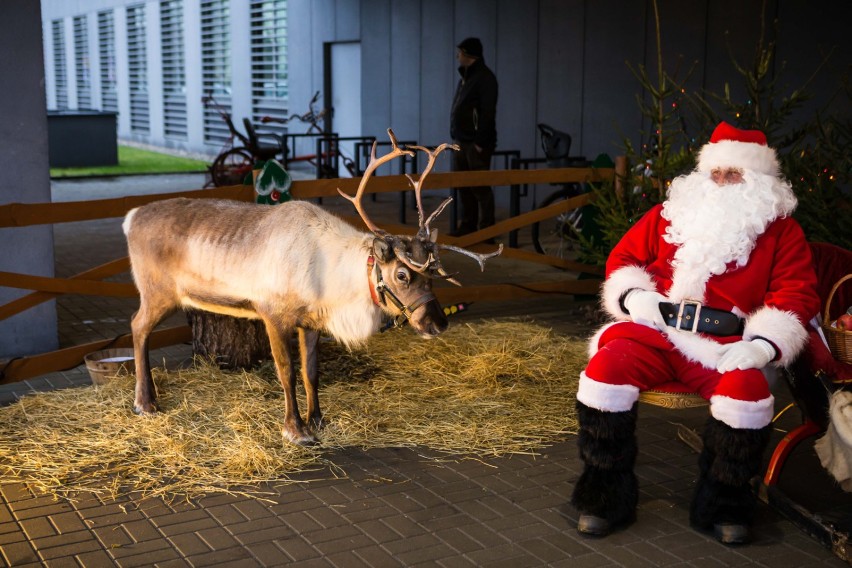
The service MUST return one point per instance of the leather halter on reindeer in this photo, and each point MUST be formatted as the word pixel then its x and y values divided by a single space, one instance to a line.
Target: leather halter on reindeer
pixel 425 238
pixel 294 266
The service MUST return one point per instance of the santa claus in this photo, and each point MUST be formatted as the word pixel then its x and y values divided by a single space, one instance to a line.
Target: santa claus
pixel 706 289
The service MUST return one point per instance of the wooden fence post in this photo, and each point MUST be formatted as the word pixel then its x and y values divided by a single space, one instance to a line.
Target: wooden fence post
pixel 620 175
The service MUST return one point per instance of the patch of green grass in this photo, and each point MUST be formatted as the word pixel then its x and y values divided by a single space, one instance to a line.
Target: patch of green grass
pixel 135 161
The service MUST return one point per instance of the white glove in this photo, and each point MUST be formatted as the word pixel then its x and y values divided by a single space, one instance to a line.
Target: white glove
pixel 754 354
pixel 644 308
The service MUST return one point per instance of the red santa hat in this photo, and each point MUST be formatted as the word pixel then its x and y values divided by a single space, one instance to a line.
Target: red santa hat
pixel 730 147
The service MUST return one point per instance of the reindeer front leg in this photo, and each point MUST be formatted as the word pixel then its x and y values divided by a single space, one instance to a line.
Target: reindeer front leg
pixel 309 348
pixel 279 339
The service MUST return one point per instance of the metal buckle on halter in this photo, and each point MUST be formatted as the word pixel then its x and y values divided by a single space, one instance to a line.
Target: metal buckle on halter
pixel 406 312
pixel 681 310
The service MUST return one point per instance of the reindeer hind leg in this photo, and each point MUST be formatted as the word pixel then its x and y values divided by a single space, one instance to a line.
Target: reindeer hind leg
pixel 279 339
pixel 309 349
pixel 143 323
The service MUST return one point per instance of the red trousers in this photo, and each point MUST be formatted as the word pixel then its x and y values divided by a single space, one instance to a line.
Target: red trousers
pixel 632 358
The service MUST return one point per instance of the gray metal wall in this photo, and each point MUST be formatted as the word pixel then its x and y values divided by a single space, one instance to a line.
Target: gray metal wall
pixel 24 175
pixel 557 61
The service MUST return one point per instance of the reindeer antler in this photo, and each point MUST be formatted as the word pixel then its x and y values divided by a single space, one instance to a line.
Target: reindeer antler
pixel 425 235
pixel 424 231
pixel 480 258
pixel 371 167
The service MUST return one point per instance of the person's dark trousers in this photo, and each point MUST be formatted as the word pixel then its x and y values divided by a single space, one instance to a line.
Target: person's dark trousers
pixel 607 492
pixel 724 500
pixel 477 203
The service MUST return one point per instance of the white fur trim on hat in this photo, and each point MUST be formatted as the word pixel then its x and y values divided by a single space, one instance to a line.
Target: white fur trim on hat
pixel 604 396
pixel 742 413
pixel 618 282
pixel 734 154
pixel 781 328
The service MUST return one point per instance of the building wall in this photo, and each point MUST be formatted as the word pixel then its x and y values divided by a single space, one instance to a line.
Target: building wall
pixel 562 62
pixel 24 176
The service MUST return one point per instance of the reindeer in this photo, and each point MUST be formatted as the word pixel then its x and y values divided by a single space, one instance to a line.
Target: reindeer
pixel 295 267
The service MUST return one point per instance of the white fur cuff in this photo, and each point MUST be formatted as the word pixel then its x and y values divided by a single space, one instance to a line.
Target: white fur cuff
pixel 606 397
pixel 781 328
pixel 618 283
pixel 746 414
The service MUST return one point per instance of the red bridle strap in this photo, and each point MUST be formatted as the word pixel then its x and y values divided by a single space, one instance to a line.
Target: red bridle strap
pixel 371 262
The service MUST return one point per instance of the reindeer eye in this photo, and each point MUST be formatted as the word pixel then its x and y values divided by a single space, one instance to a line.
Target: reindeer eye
pixel 402 275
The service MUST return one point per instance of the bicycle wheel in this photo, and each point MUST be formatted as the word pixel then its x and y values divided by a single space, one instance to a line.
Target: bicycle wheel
pixel 231 167
pixel 558 237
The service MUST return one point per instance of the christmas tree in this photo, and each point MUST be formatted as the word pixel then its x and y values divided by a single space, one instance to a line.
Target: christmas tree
pixel 813 153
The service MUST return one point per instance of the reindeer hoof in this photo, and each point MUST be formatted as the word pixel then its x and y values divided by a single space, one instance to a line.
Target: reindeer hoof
pixel 300 437
pixel 145 409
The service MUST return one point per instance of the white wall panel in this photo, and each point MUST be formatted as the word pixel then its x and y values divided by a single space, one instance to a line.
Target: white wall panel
pixel 557 61
pixel 404 53
pixel 439 75
pixel 517 28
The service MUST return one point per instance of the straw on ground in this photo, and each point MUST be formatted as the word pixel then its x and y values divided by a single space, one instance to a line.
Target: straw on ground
pixel 485 389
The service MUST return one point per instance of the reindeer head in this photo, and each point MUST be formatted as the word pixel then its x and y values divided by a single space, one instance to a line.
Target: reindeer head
pixel 405 266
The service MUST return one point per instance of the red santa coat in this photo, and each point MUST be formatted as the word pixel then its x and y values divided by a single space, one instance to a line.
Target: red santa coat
pixel 775 291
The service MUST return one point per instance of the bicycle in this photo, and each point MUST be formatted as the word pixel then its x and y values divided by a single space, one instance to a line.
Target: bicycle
pixel 234 162
pixel 324 161
pixel 312 117
pixel 561 236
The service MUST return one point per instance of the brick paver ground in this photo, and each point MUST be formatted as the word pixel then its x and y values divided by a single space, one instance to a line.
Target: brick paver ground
pixel 393 507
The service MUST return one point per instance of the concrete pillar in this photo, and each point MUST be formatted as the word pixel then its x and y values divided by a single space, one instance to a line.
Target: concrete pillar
pixel 24 175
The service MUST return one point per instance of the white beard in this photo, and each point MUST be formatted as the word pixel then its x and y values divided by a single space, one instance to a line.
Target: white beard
pixel 714 225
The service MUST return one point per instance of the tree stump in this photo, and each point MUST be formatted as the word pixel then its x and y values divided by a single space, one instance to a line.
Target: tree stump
pixel 233 343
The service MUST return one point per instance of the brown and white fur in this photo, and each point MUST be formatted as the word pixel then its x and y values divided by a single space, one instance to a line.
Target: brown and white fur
pixel 293 265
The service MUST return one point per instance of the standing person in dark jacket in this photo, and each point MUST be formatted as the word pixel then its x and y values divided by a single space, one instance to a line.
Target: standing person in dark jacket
pixel 472 127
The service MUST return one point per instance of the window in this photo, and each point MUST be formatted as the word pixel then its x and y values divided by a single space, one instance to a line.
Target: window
pixel 59 76
pixel 106 48
pixel 216 66
pixel 81 62
pixel 269 88
pixel 137 69
pixel 174 75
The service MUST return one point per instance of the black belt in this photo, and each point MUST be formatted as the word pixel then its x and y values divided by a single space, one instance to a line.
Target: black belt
pixel 693 316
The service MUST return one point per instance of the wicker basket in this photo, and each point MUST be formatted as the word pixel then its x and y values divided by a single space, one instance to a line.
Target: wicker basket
pixel 106 364
pixel 839 341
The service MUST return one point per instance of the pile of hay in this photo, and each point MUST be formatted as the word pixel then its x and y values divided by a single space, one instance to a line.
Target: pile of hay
pixel 484 389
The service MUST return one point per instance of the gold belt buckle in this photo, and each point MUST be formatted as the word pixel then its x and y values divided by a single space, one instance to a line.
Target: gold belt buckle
pixel 680 311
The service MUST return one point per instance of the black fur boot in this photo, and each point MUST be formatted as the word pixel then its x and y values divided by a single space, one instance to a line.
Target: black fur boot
pixel 724 501
pixel 607 492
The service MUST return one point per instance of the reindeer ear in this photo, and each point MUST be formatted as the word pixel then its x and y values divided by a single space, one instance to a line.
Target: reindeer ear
pixel 382 250
pixel 434 236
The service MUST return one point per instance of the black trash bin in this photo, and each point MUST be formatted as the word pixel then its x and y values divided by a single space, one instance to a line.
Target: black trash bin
pixel 82 138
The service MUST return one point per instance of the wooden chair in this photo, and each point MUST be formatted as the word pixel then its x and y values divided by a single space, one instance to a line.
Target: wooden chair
pixel 673 395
